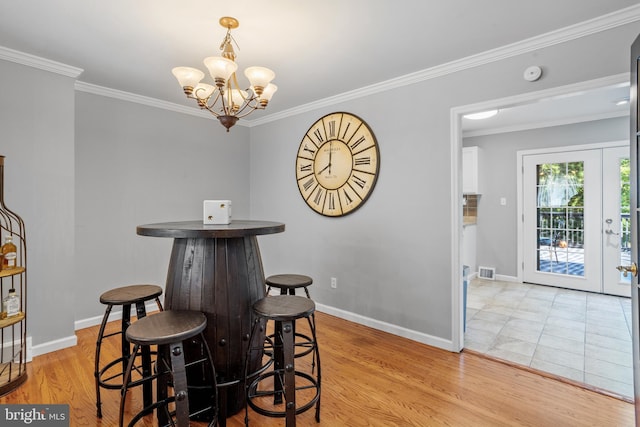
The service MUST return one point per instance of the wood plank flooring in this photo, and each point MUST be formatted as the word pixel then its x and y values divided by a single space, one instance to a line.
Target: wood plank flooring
pixel 369 378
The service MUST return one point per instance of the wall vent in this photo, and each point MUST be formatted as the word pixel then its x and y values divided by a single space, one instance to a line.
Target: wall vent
pixel 487 273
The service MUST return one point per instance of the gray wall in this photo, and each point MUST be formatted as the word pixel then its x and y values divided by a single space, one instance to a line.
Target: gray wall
pixel 138 165
pixel 393 257
pixel 497 225
pixel 37 137
pixel 82 195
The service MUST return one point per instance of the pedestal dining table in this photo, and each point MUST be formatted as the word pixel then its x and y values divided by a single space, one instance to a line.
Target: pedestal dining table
pixel 217 269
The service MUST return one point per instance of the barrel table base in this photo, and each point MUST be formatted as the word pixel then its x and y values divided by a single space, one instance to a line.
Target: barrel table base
pixel 221 277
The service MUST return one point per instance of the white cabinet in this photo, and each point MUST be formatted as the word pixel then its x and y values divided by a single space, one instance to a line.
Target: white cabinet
pixel 470 170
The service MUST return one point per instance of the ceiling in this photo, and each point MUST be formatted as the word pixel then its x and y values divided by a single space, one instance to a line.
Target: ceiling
pixel 318 50
pixel 604 102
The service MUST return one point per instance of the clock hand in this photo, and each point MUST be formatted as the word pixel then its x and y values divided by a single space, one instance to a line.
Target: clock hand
pixel 325 168
pixel 330 152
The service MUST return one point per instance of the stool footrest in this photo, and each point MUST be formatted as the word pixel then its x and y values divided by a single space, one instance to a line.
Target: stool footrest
pixel 253 393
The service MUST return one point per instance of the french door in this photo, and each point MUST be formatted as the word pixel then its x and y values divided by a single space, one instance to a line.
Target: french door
pixel 576 219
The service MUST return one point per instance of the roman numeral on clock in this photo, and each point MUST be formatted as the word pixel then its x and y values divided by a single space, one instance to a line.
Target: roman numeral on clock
pixel 332 202
pixel 307 185
pixel 362 161
pixel 346 130
pixel 358 181
pixel 318 135
pixel 347 198
pixel 318 198
pixel 357 142
pixel 332 128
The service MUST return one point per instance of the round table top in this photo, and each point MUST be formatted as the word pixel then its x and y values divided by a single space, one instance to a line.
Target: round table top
pixel 196 229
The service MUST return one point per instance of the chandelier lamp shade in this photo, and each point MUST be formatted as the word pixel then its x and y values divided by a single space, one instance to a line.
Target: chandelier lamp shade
pixel 225 99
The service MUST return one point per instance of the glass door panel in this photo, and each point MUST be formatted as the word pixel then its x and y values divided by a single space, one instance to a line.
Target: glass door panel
pixel 616 226
pixel 561 219
pixel 560 190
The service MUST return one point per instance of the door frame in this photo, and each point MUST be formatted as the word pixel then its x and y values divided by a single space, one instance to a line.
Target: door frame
pixel 456 113
pixel 634 176
pixel 520 194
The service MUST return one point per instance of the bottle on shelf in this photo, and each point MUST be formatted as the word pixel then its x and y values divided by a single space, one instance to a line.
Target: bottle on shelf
pixel 9 252
pixel 11 303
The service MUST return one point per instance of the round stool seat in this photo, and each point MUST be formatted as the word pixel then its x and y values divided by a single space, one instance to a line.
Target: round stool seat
pixel 289 281
pixel 284 307
pixel 130 294
pixel 167 327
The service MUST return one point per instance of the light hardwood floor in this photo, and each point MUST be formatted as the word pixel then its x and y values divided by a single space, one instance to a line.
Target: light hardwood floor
pixel 370 378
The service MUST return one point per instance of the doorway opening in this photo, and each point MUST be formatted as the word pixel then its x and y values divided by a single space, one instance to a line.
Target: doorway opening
pixel 514 276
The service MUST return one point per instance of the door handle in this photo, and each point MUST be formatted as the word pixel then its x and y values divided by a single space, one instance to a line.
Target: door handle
pixel 626 269
pixel 611 232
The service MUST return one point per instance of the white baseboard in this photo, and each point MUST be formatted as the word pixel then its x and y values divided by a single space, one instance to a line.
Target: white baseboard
pixel 9 349
pixel 70 341
pixel 346 315
pixel 54 345
pixel 114 315
pixel 505 278
pixel 388 327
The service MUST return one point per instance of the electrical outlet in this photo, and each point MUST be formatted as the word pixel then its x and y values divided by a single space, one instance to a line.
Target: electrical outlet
pixel 334 283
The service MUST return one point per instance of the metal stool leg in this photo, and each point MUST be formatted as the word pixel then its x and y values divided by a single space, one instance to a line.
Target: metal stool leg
pixel 147 387
pixel 96 371
pixel 288 339
pixel 125 381
pixel 180 384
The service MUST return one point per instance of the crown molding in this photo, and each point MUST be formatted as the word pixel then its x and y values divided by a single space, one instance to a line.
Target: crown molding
pixel 39 63
pixel 573 32
pixel 139 99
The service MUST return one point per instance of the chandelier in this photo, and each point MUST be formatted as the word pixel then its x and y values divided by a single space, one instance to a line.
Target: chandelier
pixel 225 99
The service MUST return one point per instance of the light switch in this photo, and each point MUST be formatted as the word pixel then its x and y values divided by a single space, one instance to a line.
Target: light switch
pixel 503 201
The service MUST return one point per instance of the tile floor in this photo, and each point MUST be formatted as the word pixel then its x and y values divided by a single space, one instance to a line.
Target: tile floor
pixel 578 335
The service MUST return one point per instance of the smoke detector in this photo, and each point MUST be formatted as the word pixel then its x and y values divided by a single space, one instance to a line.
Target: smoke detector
pixel 532 73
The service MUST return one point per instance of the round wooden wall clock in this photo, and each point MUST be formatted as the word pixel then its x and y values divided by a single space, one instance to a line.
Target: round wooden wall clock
pixel 337 164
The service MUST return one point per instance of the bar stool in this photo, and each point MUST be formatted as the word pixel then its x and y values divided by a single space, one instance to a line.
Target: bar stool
pixel 288 283
pixel 168 330
pixel 280 382
pixel 125 296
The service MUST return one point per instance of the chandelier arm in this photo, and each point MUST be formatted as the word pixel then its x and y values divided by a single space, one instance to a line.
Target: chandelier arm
pixel 234 77
pixel 210 105
pixel 212 111
pixel 252 104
